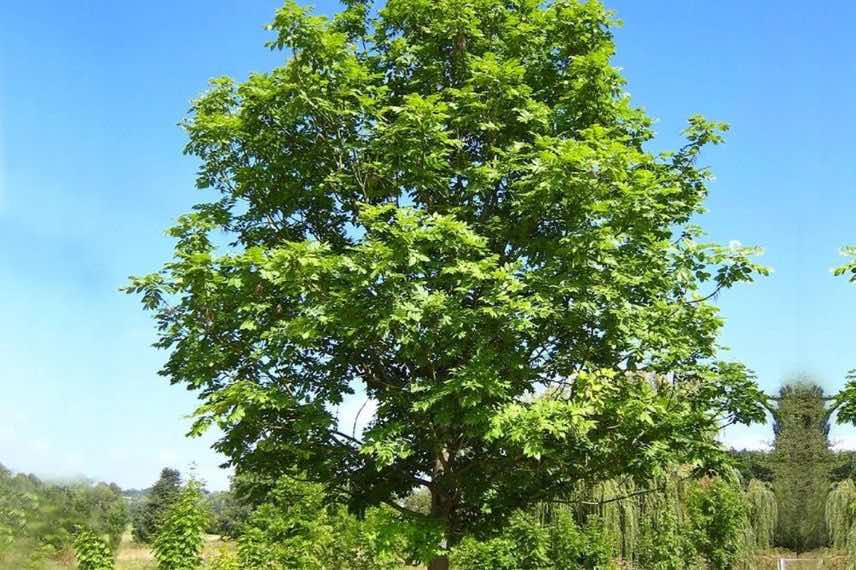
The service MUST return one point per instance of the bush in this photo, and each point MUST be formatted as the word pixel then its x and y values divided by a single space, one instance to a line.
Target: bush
pixel 178 545
pixel 718 518
pixel 663 545
pixel 292 530
pixel 228 513
pixel 298 528
pixel 494 554
pixel 529 544
pixel 92 552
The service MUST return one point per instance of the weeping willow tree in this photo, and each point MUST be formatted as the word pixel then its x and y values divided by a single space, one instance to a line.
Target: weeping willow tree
pixel 851 548
pixel 620 518
pixel 649 526
pixel 622 509
pixel 839 513
pixel 763 512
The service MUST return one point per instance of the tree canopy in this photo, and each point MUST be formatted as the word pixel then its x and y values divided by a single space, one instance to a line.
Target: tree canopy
pixel 449 208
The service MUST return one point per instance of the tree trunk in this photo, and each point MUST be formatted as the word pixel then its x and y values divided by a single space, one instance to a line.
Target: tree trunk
pixel 442 508
pixel 439 563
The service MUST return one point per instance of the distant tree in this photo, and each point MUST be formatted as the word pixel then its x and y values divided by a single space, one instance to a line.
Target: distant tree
pixel 42 520
pixel 102 509
pixel 228 513
pixel 801 462
pixel 163 494
pixel 449 206
pixel 753 464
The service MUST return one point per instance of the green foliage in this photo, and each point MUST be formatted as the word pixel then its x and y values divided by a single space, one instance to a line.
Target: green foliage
pixel 226 558
pixel 718 522
pixel 178 544
pixel 298 528
pixel 528 543
pixel 753 464
pixel 382 540
pixel 92 552
pixel 448 206
pixel 494 554
pixel 160 498
pixel 664 543
pixel 39 521
pixel 849 269
pixel 839 513
pixel 675 521
pixel 844 465
pixel 851 548
pixel 292 530
pixel 845 399
pixel 228 513
pixel 763 512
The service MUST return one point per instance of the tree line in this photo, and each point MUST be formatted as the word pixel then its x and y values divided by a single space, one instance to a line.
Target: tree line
pixel 39 521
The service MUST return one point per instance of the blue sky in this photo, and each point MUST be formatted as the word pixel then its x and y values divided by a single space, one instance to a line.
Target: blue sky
pixel 91 173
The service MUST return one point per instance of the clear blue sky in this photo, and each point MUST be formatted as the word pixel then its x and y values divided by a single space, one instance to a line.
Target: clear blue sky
pixel 91 173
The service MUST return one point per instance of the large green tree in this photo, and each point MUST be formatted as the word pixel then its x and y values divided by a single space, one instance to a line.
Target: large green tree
pixel 448 207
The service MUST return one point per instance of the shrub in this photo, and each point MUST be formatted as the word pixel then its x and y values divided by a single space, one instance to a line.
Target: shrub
pixel 178 545
pixel 494 554
pixel 92 552
pixel 377 542
pixel 225 559
pixel 718 520
pixel 662 542
pixel 292 530
pixel 298 528
pixel 529 544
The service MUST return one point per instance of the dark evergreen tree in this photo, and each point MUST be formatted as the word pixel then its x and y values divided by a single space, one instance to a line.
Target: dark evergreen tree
pixel 161 497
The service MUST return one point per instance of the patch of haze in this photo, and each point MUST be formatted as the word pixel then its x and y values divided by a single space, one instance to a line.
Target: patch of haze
pixel 755 437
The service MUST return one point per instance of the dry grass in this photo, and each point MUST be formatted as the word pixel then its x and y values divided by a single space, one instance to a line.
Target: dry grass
pixel 824 558
pixel 134 556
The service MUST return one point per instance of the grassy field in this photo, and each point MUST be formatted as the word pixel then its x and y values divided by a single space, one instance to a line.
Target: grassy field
pixel 131 556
